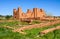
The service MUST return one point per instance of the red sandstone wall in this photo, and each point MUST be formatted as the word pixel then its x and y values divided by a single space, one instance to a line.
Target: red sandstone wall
pixel 29 12
pixel 18 14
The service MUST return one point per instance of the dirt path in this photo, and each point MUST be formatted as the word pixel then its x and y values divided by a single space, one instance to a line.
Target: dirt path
pixel 20 30
pixel 48 30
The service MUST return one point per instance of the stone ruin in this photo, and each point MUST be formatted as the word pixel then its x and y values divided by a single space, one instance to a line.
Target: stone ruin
pixel 35 14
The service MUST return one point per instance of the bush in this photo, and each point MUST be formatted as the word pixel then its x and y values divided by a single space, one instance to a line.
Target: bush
pixel 35 22
pixel 24 23
pixel 8 16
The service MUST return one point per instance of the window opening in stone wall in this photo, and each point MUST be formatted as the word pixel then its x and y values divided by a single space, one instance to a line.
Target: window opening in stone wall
pixel 41 10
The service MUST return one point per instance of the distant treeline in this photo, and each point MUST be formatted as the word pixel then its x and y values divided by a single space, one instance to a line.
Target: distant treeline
pixel 5 17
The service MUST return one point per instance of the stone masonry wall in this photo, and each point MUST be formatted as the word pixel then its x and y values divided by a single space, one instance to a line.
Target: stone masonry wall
pixel 30 14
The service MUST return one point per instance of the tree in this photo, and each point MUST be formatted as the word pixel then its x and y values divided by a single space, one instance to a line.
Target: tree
pixel 1 16
pixel 8 16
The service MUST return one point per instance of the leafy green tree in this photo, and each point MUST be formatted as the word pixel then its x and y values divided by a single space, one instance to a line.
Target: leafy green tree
pixel 8 16
pixel 0 15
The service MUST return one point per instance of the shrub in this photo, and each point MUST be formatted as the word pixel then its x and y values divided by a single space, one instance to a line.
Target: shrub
pixel 8 17
pixel 35 22
pixel 24 23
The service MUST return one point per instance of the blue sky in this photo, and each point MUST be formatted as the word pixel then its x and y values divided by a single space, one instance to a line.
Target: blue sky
pixel 50 6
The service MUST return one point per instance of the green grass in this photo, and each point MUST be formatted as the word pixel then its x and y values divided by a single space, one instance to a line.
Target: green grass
pixel 16 24
pixel 34 33
pixel 35 22
pixel 13 24
pixel 6 33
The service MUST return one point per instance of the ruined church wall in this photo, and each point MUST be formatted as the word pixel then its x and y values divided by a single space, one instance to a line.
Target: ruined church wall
pixel 35 13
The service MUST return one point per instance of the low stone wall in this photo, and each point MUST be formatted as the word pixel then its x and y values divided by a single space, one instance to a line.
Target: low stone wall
pixel 48 30
pixel 36 26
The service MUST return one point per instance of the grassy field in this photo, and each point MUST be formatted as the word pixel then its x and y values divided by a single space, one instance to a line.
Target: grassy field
pixel 6 33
